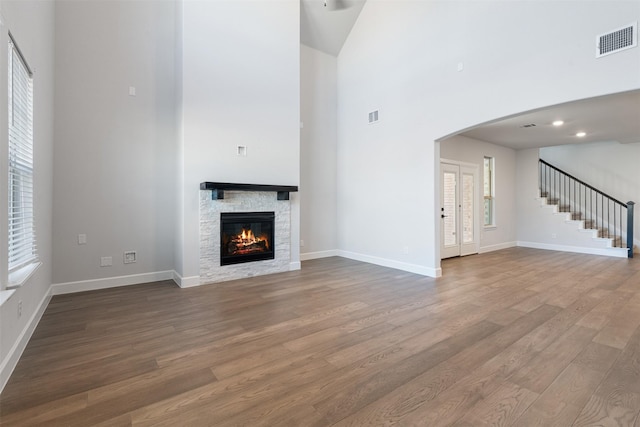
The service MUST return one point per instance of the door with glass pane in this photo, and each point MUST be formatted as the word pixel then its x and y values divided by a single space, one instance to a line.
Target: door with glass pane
pixel 459 230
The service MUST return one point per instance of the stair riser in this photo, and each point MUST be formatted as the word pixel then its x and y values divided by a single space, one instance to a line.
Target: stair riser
pixel 589 224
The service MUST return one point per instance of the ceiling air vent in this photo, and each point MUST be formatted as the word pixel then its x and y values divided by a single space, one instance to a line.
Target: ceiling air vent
pixel 618 40
pixel 373 116
pixel 530 125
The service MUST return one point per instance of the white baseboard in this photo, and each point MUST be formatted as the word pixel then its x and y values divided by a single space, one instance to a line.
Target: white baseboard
pixel 109 282
pixel 293 266
pixel 612 252
pixel 11 360
pixel 404 266
pixel 320 254
pixel 499 246
pixel 185 282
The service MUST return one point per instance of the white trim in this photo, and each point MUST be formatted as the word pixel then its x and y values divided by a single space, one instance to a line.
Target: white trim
pixel 404 266
pixel 185 282
pixel 5 295
pixel 19 277
pixel 109 282
pixel 499 246
pixel 320 254
pixel 612 252
pixel 11 360
pixel 293 266
pixel 458 163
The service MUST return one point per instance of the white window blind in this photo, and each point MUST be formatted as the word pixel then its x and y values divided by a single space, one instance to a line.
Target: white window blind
pixel 22 237
pixel 489 197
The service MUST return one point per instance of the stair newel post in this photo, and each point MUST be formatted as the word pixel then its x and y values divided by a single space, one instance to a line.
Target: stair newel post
pixel 630 228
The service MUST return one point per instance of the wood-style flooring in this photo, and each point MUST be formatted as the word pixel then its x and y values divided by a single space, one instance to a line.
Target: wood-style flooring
pixel 519 337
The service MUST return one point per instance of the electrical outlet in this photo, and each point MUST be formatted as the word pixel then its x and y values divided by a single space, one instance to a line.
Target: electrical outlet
pixel 106 261
pixel 19 308
pixel 129 257
pixel 301 242
pixel 554 235
pixel 82 239
pixel 405 249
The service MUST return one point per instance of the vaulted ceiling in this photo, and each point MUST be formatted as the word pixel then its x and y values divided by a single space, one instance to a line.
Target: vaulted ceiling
pixel 325 25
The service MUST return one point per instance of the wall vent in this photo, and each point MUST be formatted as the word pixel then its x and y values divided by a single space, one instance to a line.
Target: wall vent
pixel 373 116
pixel 617 40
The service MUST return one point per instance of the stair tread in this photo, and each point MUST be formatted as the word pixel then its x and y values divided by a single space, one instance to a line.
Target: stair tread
pixel 566 205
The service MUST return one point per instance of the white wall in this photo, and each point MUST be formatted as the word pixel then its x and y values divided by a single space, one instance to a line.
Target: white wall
pixel 241 86
pixel 474 151
pixel 533 223
pixel 32 25
pixel 318 153
pixel 608 166
pixel 402 57
pixel 114 158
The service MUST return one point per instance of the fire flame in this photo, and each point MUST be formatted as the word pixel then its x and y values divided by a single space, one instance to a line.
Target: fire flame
pixel 247 238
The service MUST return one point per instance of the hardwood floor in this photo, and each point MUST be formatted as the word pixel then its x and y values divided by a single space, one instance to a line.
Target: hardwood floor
pixel 519 337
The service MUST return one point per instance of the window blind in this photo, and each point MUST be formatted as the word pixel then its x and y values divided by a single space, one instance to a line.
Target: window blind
pixel 22 238
pixel 489 186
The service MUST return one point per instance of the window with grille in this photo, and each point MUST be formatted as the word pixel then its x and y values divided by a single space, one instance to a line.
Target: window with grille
pixel 23 256
pixel 489 197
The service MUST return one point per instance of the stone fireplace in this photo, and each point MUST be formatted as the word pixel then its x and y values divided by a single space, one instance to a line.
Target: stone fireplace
pixel 245 230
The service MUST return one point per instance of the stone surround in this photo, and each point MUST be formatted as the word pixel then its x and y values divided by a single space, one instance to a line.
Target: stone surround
pixel 242 201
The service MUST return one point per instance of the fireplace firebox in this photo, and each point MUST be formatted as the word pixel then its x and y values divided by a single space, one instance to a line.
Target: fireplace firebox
pixel 246 237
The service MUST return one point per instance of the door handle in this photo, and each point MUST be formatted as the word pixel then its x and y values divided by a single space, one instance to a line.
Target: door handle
pixel 443 216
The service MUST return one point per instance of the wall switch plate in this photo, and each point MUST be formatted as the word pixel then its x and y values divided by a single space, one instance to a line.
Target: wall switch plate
pixel 242 150
pixel 129 257
pixel 106 261
pixel 301 242
pixel 82 239
pixel 132 91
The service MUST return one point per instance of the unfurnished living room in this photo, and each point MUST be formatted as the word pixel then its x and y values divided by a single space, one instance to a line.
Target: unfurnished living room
pixel 319 212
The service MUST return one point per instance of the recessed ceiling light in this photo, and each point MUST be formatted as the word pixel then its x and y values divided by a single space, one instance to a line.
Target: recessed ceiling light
pixel 581 134
pixel 558 123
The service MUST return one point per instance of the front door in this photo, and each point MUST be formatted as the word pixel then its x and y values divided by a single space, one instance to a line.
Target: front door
pixel 458 199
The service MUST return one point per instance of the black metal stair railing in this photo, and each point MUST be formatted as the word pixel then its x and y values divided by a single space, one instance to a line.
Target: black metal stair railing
pixel 612 218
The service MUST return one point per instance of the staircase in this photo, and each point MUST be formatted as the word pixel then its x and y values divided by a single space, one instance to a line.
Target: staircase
pixel 586 225
pixel 590 209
